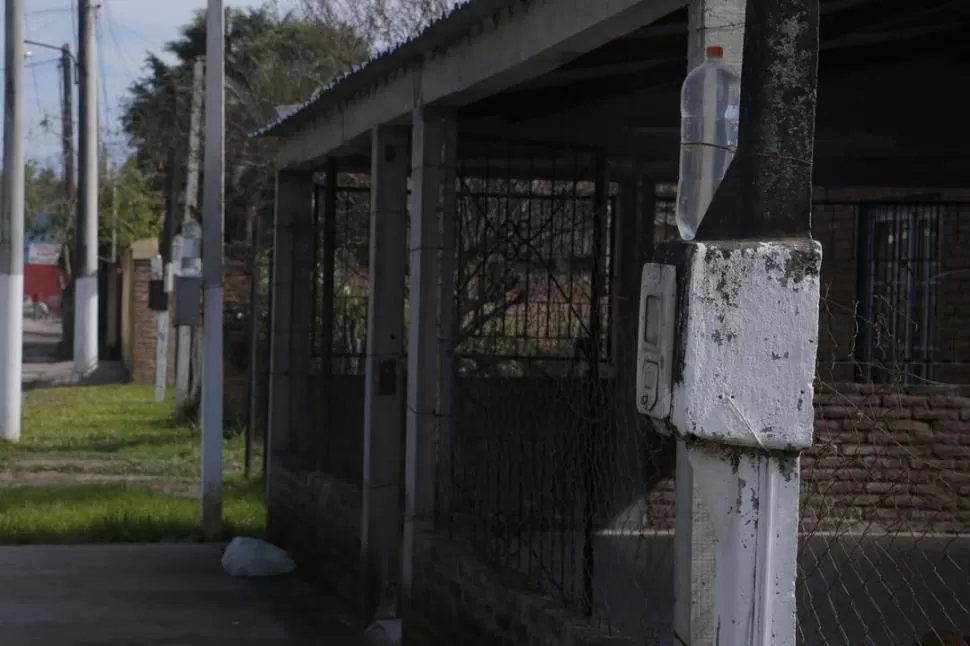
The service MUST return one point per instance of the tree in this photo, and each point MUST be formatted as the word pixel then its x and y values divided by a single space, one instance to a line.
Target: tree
pixel 47 212
pixel 272 59
pixel 129 210
pixel 381 22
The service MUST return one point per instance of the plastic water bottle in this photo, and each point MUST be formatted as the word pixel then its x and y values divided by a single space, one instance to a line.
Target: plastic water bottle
pixel 710 102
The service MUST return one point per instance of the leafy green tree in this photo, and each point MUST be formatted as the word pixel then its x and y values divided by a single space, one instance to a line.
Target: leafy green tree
pixel 47 211
pixel 129 209
pixel 272 59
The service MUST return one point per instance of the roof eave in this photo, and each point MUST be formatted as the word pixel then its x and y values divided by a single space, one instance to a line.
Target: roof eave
pixel 447 29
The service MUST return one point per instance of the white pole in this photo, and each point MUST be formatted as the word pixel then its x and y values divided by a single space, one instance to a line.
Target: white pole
pixel 212 206
pixel 86 273
pixel 183 351
pixel 12 226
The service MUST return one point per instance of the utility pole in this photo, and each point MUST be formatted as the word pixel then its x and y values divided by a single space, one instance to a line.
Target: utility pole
pixel 12 226
pixel 183 351
pixel 67 121
pixel 86 271
pixel 212 224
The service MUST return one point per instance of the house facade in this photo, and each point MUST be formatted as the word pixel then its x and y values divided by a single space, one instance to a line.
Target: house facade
pixel 460 229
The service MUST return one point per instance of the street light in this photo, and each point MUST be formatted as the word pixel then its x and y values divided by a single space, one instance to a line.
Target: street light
pixel 63 49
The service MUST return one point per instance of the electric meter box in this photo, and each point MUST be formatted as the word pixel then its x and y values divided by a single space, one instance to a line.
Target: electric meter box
pixel 655 351
pixel 188 301
pixel 188 277
pixel 722 352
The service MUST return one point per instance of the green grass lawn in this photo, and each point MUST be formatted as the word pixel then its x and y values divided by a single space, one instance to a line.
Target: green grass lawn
pixel 108 463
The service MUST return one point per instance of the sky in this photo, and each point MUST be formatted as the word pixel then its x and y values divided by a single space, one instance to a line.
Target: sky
pixel 127 29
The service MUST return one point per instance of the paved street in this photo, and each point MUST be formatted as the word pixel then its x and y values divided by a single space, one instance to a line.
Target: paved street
pixel 42 367
pixel 159 595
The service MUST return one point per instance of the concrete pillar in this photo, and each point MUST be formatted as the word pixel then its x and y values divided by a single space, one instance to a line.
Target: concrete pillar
pixel 383 389
pixel 710 22
pixel 294 199
pixel 632 442
pixel 447 318
pixel 426 178
pixel 327 308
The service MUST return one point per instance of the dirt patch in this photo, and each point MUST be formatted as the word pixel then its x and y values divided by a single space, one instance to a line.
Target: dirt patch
pixel 52 477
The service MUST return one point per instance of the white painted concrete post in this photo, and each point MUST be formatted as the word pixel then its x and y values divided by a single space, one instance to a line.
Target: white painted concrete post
pixel 384 373
pixel 12 227
pixel 86 263
pixel 213 217
pixel 744 396
pixel 710 22
pixel 426 175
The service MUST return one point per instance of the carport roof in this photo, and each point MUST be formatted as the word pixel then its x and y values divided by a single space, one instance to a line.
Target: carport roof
pixel 444 31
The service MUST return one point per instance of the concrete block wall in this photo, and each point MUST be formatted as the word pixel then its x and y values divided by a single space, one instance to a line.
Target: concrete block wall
pixel 888 460
pixel 317 518
pixel 459 599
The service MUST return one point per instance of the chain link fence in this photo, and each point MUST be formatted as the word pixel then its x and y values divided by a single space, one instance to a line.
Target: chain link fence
pixel 550 471
pixel 884 553
pixel 885 545
pixel 546 468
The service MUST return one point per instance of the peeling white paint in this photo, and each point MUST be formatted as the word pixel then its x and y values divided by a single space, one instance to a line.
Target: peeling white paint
pixel 750 343
pixel 753 501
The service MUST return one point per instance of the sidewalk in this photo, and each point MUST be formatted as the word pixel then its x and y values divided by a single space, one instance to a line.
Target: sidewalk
pixel 169 594
pixel 42 367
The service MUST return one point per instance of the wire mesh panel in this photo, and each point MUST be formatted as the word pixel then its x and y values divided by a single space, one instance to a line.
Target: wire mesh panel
pixel 338 336
pixel 885 545
pixel 532 302
pixel 534 458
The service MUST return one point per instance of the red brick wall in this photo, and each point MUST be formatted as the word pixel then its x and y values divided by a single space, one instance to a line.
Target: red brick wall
pixel 144 337
pixel 236 341
pixel 888 459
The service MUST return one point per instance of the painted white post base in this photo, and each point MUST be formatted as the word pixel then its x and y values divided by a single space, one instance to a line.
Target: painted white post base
pixel 161 355
pixel 752 498
pixel 212 413
pixel 85 325
pixel 11 354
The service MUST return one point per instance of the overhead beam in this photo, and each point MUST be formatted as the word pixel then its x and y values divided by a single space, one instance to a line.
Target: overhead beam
pixel 531 40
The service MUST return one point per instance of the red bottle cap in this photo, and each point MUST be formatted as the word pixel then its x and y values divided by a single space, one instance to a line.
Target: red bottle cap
pixel 714 51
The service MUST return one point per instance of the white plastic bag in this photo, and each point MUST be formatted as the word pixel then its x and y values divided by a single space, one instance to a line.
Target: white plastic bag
pixel 246 557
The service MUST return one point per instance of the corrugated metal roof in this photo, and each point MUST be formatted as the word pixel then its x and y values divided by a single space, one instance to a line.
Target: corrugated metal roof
pixel 440 33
